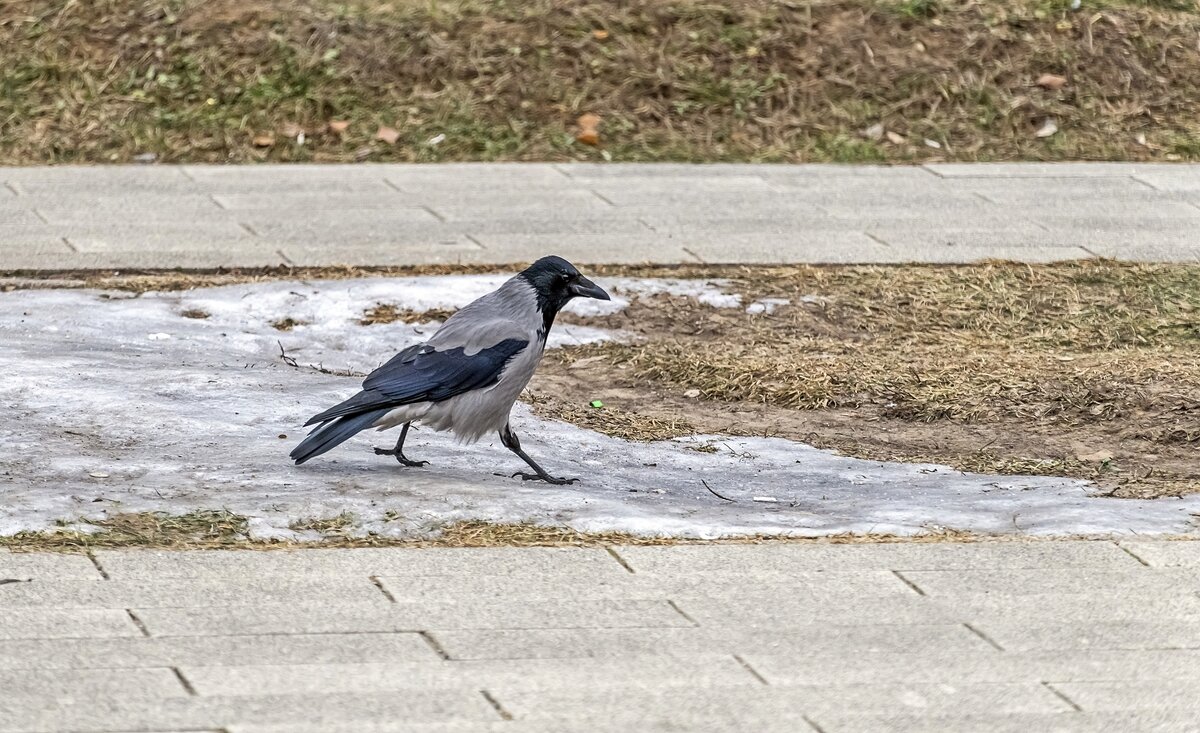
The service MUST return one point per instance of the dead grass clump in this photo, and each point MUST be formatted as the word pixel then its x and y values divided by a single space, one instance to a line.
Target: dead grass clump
pixel 389 313
pixel 195 313
pixel 286 324
pixel 200 529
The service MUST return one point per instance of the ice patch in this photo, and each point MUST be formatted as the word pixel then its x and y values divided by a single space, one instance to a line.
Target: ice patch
pixel 101 420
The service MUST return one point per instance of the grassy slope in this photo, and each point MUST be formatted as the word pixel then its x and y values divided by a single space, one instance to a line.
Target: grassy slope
pixel 197 80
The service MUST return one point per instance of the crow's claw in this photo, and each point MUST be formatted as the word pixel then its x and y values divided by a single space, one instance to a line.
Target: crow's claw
pixel 400 458
pixel 547 478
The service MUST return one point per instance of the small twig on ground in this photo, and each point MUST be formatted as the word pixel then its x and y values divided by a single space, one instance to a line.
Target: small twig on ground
pixel 286 359
pixel 710 490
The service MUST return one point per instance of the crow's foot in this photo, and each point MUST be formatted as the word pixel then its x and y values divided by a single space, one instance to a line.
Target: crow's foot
pixel 400 457
pixel 545 478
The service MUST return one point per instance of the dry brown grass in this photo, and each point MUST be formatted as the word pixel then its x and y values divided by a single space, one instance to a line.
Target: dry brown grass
pixel 1098 356
pixel 389 313
pixel 198 80
pixel 225 531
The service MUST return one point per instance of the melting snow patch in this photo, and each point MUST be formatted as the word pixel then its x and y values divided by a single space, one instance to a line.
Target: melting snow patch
pixel 766 305
pixel 205 419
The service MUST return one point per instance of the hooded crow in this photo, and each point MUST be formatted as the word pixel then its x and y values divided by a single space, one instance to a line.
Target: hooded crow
pixel 467 376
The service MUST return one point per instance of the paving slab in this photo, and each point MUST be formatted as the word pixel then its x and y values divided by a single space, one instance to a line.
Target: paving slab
pixel 133 652
pixel 43 566
pixel 47 686
pixel 558 643
pixel 105 715
pixel 788 558
pixel 329 214
pixel 935 666
pixel 862 585
pixel 540 674
pixel 1161 696
pixel 514 562
pixel 1072 722
pixel 359 618
pixel 1018 635
pixel 1165 554
pixel 808 701
pixel 43 623
pixel 1047 170
pixel 1169 581
pixel 182 593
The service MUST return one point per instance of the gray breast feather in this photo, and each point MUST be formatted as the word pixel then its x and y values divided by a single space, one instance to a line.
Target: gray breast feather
pixel 509 312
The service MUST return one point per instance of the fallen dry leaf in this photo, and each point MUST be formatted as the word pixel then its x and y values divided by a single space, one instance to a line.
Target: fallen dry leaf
pixel 600 35
pixel 895 138
pixel 1051 82
pixel 291 129
pixel 339 127
pixel 589 129
pixel 1099 456
pixel 388 135
pixel 933 144
pixel 263 141
pixel 1048 128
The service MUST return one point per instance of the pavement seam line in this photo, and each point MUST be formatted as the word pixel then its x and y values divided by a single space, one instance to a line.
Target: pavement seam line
pixel 249 229
pixel 375 581
pixel 812 724
pixel 1140 182
pixel 682 613
pixel 137 622
pixel 434 644
pixel 1132 554
pixel 504 714
pixel 990 641
pixel 1062 696
pixel 612 552
pixel 216 202
pixel 753 672
pixel 1144 182
pixel 876 239
pixel 11 187
pixel 283 256
pixel 388 183
pixel 600 196
pixel 40 215
pixel 693 254
pixel 475 241
pixel 433 213
pixel 70 245
pixel 187 685
pixel 915 588
pixel 96 563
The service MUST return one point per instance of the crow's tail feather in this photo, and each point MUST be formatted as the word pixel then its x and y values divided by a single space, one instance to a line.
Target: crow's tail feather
pixel 333 433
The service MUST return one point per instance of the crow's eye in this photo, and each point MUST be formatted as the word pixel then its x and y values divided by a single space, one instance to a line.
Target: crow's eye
pixel 565 278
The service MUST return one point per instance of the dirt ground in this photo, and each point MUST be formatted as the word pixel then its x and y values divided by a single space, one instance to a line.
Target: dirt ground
pixel 825 80
pixel 1089 370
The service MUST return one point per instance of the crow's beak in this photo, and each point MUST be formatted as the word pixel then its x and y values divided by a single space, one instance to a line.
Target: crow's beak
pixel 585 288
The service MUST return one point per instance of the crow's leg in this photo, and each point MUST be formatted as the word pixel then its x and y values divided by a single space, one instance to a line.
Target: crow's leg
pixel 398 451
pixel 510 441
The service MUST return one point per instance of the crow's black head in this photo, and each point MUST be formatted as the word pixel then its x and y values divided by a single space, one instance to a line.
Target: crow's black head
pixel 556 282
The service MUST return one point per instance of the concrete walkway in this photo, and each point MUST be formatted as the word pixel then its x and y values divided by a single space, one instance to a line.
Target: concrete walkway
pixel 247 216
pixel 1005 636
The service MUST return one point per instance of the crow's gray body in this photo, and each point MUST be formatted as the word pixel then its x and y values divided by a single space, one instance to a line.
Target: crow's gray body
pixel 468 375
pixel 508 313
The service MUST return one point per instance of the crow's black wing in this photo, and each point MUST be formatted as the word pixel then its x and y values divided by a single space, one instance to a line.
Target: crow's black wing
pixel 423 374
